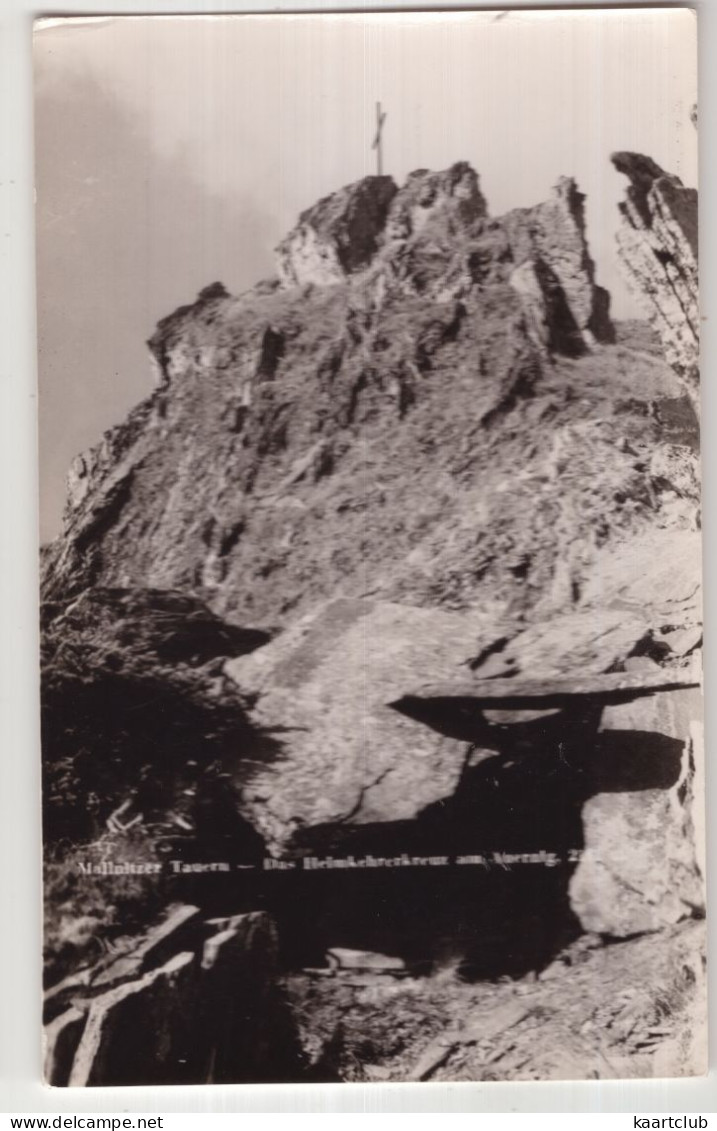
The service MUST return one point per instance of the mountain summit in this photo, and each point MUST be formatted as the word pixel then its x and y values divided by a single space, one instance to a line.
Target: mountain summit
pixel 425 403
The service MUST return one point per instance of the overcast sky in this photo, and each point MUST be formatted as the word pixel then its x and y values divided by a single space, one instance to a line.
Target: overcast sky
pixel 173 152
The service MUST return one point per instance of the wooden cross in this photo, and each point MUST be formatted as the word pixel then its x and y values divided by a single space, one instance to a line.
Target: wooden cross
pixel 380 119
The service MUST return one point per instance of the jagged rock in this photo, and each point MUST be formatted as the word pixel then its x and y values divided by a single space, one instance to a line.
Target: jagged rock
pixel 641 598
pixel 659 571
pixel 273 346
pixel 639 870
pixel 206 1010
pixel 552 236
pixel 167 934
pixel 338 236
pixel 155 1012
pixel 428 239
pixel 452 197
pixel 237 1014
pixel 173 346
pixel 323 689
pixel 682 641
pixel 240 934
pixel 657 244
pixel 60 1039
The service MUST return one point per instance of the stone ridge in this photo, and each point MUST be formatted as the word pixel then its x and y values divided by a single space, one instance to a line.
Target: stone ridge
pixel 657 243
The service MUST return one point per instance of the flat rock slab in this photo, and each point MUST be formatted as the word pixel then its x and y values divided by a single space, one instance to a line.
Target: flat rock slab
pixel 608 689
pixel 343 958
pixel 323 690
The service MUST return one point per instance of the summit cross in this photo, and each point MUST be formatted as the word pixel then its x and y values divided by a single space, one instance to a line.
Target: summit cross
pixel 377 141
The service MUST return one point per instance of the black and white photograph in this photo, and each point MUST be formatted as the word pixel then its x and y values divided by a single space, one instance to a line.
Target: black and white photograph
pixel 371 585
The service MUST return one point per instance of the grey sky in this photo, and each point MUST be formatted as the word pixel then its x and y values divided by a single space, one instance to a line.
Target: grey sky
pixel 172 152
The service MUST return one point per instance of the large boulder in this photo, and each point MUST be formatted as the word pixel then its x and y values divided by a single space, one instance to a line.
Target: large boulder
pixel 640 869
pixel 323 689
pixel 657 243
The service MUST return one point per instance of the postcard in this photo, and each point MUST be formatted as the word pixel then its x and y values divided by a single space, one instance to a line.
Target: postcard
pixel 371 554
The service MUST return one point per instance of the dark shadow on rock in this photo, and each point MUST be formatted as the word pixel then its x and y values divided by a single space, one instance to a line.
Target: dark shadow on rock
pixel 629 760
pixel 518 811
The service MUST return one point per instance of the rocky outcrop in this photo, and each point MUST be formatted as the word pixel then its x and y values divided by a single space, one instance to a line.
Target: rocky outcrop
pixel 433 237
pixel 338 236
pixel 551 239
pixel 429 237
pixel 193 1002
pixel 658 247
pixel 451 199
pixel 641 599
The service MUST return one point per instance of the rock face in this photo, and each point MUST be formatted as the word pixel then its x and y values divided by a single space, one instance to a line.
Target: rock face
pixel 338 236
pixel 641 599
pixel 194 1002
pixel 551 239
pixel 657 881
pixel 451 198
pixel 658 247
pixel 347 757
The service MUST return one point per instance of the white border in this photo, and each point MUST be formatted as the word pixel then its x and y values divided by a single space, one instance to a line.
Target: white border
pixel 20 1087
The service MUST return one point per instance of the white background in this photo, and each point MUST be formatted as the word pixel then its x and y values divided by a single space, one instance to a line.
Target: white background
pixel 20 897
